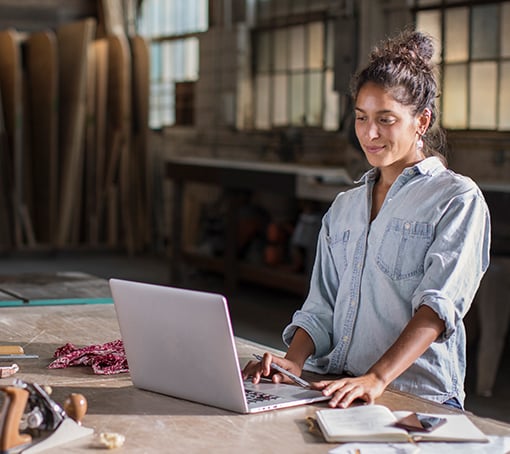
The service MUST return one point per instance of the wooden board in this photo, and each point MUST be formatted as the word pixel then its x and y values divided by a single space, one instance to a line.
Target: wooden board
pixel 111 17
pixel 11 87
pixel 119 122
pixel 101 84
pixel 73 42
pixel 6 240
pixel 42 78
pixel 141 156
pixel 90 199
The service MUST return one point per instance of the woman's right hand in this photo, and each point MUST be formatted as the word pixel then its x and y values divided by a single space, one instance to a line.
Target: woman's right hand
pixel 262 369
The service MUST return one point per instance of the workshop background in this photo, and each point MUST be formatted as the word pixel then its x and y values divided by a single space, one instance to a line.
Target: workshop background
pixel 109 106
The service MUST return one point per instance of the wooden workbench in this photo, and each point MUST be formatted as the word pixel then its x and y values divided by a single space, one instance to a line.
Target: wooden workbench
pixel 152 422
pixel 293 180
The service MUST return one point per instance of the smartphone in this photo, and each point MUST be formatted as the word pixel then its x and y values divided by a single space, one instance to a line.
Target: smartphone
pixel 418 422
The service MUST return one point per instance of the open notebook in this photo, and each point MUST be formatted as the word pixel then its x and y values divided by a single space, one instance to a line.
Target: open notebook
pixel 180 343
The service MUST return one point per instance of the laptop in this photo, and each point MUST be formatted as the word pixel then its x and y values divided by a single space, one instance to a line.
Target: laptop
pixel 180 343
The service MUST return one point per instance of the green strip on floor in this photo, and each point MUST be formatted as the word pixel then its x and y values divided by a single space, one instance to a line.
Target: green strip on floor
pixel 56 302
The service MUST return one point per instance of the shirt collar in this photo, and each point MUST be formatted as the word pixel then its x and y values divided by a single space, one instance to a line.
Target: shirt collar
pixel 429 166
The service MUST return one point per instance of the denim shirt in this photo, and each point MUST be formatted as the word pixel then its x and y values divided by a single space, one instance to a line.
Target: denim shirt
pixel 429 245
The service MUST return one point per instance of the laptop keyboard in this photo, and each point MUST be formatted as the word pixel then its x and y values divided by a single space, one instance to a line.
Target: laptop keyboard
pixel 254 397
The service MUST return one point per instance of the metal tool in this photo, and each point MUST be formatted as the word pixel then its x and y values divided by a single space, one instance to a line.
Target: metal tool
pixel 32 422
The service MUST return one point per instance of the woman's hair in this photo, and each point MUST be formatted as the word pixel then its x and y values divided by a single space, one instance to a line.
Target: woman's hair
pixel 403 66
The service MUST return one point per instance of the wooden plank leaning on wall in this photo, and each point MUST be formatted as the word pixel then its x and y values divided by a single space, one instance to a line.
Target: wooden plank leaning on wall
pixel 73 42
pixel 11 87
pixel 42 92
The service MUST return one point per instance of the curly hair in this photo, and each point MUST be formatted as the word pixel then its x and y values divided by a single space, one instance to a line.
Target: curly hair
pixel 403 66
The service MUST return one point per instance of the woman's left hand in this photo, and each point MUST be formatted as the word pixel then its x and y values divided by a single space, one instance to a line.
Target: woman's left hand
pixel 346 390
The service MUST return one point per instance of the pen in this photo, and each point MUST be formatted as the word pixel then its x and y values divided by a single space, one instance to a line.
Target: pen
pixel 289 374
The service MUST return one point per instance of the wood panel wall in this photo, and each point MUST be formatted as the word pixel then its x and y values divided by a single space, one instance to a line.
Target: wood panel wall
pixel 76 156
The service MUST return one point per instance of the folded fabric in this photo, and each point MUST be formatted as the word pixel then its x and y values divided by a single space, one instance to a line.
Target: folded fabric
pixel 105 359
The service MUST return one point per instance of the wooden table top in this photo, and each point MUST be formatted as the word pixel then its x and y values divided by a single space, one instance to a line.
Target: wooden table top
pixel 153 422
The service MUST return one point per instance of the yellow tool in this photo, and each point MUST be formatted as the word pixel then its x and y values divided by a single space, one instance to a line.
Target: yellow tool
pixel 11 350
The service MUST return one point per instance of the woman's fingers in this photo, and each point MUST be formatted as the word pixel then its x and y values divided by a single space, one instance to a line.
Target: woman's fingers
pixel 344 392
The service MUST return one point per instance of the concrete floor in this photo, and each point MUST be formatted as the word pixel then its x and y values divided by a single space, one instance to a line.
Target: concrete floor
pixel 257 313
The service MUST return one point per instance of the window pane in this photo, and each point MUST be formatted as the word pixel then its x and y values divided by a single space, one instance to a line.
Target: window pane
pixel 162 104
pixel 456 35
pixel 191 59
pixel 262 102
pixel 297 99
pixel 155 67
pixel 176 59
pixel 202 15
pixel 483 85
pixel 161 17
pixel 263 51
pixel 315 45
pixel 331 113
pixel 167 61
pixel 163 20
pixel 484 32
pixel 430 22
pixel 314 108
pixel 505 29
pixel 504 97
pixel 280 100
pixel 455 97
pixel 297 47
pixel 280 50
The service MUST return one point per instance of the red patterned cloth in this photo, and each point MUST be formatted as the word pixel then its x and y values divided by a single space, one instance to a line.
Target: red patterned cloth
pixel 105 359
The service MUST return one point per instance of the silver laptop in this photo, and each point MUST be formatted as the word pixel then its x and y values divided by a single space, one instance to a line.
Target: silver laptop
pixel 180 343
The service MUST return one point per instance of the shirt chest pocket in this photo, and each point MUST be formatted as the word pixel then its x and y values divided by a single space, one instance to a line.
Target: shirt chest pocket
pixel 402 251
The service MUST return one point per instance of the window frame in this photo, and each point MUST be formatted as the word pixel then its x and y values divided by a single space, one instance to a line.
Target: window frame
pixel 272 25
pixel 158 84
pixel 442 6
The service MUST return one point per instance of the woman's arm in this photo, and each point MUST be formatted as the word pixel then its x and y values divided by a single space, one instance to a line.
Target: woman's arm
pixel 300 348
pixel 423 329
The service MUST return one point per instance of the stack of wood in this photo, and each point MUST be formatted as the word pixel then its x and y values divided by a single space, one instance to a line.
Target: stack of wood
pixel 74 160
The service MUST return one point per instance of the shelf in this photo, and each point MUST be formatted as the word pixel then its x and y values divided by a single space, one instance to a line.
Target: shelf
pixel 296 181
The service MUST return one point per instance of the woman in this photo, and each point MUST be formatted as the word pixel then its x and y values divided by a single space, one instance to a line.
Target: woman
pixel 399 258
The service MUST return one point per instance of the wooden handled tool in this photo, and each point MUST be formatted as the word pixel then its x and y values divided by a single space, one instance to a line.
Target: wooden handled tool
pixel 11 350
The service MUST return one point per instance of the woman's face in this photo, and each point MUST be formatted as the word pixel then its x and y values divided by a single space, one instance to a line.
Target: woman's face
pixel 387 130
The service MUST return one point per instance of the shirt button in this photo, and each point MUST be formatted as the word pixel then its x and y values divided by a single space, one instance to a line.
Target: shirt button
pixel 407 226
pixel 345 338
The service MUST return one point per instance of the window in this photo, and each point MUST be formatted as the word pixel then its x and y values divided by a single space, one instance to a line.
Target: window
pixel 474 56
pixel 172 27
pixel 293 65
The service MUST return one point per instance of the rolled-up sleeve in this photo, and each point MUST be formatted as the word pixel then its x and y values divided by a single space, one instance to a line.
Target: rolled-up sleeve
pixel 456 260
pixel 316 315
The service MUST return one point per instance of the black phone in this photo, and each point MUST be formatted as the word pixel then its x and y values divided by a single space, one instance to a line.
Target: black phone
pixel 418 422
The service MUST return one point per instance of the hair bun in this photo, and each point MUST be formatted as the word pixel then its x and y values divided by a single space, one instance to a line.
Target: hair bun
pixel 412 47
